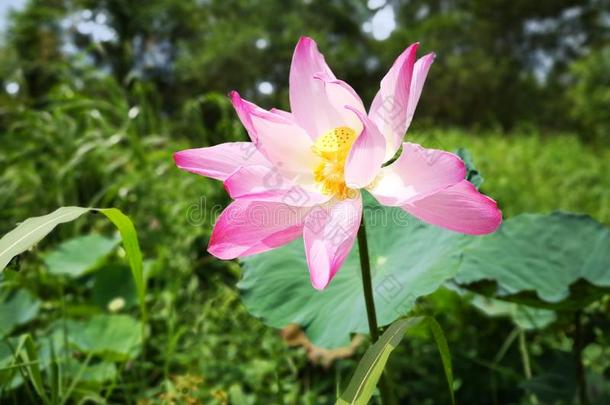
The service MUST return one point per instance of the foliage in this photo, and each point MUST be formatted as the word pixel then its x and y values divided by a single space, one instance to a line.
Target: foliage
pixel 185 48
pixel 590 94
pixel 94 122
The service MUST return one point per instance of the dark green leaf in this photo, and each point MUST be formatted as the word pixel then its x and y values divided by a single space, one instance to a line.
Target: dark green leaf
pixel 115 337
pixel 18 308
pixel 77 256
pixel 541 259
pixel 113 281
pixel 472 174
pixel 525 317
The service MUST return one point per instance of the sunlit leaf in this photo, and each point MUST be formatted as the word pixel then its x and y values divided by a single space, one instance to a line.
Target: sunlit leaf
pixel 32 230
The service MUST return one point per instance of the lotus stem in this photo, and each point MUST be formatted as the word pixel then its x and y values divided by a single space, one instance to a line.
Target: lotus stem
pixel 365 267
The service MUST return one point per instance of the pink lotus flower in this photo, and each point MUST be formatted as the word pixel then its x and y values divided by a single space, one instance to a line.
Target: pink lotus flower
pixel 302 172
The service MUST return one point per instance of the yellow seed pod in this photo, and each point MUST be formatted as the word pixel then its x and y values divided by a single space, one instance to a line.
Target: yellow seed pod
pixel 335 144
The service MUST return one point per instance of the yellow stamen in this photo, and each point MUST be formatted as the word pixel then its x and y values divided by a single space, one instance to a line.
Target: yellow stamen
pixel 333 147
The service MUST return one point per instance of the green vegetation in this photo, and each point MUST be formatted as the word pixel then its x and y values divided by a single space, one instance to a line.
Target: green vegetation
pixel 96 126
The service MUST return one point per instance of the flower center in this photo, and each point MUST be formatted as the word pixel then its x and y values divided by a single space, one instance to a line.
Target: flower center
pixel 333 147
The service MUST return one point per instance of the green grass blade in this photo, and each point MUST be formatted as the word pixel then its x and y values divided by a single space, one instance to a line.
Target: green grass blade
pixel 369 370
pixel 443 349
pixel 132 248
pixel 29 356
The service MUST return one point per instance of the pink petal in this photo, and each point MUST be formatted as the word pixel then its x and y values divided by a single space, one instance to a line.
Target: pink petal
pixel 220 161
pixel 389 108
pixel 417 173
pixel 312 106
pixel 329 235
pixel 460 208
pixel 248 227
pixel 279 139
pixel 340 94
pixel 244 110
pixel 420 72
pixel 282 113
pixel 366 155
pixel 263 183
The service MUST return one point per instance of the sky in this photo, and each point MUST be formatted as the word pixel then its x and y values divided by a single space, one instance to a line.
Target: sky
pixel 380 26
pixel 5 7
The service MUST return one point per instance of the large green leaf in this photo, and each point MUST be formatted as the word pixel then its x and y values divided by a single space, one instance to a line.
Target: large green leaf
pixel 371 366
pixel 525 317
pixel 115 337
pixel 551 261
pixel 554 260
pixel 408 258
pixel 32 230
pixel 78 255
pixel 112 282
pixel 16 309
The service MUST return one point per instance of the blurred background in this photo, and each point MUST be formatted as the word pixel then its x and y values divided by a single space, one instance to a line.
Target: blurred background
pixel 95 96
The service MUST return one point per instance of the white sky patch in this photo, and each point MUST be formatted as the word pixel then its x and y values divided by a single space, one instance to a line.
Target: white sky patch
pixel 101 18
pixel 265 88
pixel 422 12
pixel 86 14
pixel 12 88
pixel 544 64
pixel 6 6
pixel 371 63
pixel 97 32
pixel 383 23
pixel 375 4
pixel 261 43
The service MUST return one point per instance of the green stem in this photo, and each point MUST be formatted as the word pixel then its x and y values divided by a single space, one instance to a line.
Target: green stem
pixel 578 347
pixel 367 285
pixel 525 359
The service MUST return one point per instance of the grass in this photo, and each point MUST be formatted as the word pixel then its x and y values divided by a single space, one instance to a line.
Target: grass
pixel 535 173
